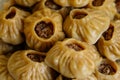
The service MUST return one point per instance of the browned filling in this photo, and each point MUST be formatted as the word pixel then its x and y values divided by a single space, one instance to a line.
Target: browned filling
pixel 117 5
pixel 44 30
pixel 98 2
pixel 108 34
pixel 50 4
pixel 79 15
pixel 11 14
pixel 36 57
pixel 106 69
pixel 75 46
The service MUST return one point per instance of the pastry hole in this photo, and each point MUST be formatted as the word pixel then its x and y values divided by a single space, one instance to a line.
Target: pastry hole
pixel 98 2
pixel 11 14
pixel 79 15
pixel 108 34
pixel 36 57
pixel 44 30
pixel 50 4
pixel 117 2
pixel 75 46
pixel 106 68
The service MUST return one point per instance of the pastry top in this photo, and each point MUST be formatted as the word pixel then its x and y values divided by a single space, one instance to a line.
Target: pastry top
pixel 86 24
pixel 74 3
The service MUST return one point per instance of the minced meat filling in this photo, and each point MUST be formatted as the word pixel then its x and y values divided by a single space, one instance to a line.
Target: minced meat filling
pixel 117 5
pixel 44 30
pixel 36 57
pixel 79 15
pixel 106 69
pixel 11 14
pixel 108 34
pixel 98 2
pixel 50 4
pixel 76 47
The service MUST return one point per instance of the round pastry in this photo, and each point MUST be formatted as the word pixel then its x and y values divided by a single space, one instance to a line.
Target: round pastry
pixel 43 29
pixel 11 25
pixel 4 74
pixel 26 3
pixel 108 7
pixel 49 4
pixel 86 24
pixel 109 43
pixel 72 57
pixel 91 77
pixel 74 3
pixel 29 65
pixel 107 70
pixel 4 47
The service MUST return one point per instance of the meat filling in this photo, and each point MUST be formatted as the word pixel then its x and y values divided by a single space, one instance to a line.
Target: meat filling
pixel 36 57
pixel 117 5
pixel 11 14
pixel 98 2
pixel 108 34
pixel 79 15
pixel 106 69
pixel 44 30
pixel 50 4
pixel 76 47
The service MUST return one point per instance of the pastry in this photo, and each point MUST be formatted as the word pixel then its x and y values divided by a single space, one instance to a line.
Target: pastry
pixel 86 24
pixel 43 29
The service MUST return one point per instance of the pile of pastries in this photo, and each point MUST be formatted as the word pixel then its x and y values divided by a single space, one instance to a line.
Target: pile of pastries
pixel 60 40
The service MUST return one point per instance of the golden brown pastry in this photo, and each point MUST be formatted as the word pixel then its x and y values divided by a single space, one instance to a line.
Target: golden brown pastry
pixel 49 4
pixel 73 58
pixel 4 47
pixel 107 70
pixel 29 65
pixel 26 3
pixel 4 74
pixel 109 43
pixel 86 24
pixel 108 7
pixel 11 25
pixel 74 3
pixel 43 29
pixel 91 77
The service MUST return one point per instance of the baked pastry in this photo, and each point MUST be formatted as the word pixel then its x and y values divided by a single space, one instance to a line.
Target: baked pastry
pixel 4 74
pixel 107 70
pixel 74 3
pixel 109 43
pixel 91 77
pixel 43 29
pixel 71 57
pixel 49 4
pixel 108 7
pixel 29 65
pixel 26 3
pixel 4 47
pixel 11 25
pixel 86 24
